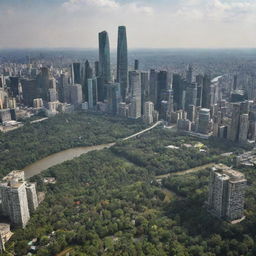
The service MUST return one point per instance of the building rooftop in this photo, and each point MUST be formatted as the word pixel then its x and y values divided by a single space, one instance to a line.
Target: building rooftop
pixel 228 172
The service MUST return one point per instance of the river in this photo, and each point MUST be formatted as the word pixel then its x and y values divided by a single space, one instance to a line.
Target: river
pixel 60 157
pixel 69 154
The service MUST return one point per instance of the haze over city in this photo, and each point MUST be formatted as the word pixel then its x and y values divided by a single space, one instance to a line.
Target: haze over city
pixel 151 24
pixel 127 127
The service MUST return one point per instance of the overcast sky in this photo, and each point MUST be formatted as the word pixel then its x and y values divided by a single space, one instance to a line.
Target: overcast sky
pixel 150 23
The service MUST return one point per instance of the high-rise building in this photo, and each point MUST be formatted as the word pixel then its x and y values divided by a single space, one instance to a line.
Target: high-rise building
pixel 52 94
pixel 43 83
pixel 189 74
pixel 204 121
pixel 199 81
pixel 76 73
pixel 63 81
pixel 29 91
pixel 179 86
pixel 153 86
pixel 148 112
pixel 15 202
pixel 17 198
pixel 32 196
pixel 243 128
pixel 135 85
pixel 14 86
pixel 233 129
pixel 191 95
pixel 114 98
pixel 122 61
pixel 136 65
pixel 96 68
pixel 76 97
pixel 87 73
pixel 104 57
pixel 226 193
pixel 191 113
pixel 162 86
pixel 92 93
pixel 144 77
pixel 206 92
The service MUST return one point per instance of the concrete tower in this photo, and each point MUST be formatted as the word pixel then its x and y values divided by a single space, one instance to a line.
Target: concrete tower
pixel 122 61
pixel 104 57
pixel 226 193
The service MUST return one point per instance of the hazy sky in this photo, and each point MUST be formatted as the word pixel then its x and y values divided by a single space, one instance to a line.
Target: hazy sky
pixel 150 23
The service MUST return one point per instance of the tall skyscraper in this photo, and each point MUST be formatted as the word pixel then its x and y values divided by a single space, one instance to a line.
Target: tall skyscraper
pixel 226 193
pixel 87 73
pixel 135 85
pixel 114 97
pixel 14 86
pixel 29 91
pixel 76 73
pixel 92 93
pixel 122 61
pixel 153 86
pixel 191 95
pixel 206 92
pixel 104 57
pixel 189 74
pixel 144 88
pixel 233 129
pixel 179 86
pixel 148 112
pixel 43 83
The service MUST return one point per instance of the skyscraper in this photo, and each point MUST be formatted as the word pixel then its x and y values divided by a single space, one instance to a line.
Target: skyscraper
pixel 204 121
pixel 162 85
pixel 92 93
pixel 191 95
pixel 153 86
pixel 87 73
pixel 226 193
pixel 136 65
pixel 76 73
pixel 114 97
pixel 144 89
pixel 189 74
pixel 135 85
pixel 104 57
pixel 122 61
pixel 148 112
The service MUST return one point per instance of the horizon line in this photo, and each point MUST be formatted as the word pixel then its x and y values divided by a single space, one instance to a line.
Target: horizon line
pixel 133 48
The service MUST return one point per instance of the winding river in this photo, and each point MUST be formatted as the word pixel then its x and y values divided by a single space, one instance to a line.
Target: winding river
pixel 69 154
pixel 60 157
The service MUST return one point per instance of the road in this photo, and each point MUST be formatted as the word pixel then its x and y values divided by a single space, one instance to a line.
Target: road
pixel 143 131
pixel 192 170
pixel 39 120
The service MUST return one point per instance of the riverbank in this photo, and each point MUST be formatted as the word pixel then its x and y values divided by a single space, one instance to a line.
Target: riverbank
pixel 69 154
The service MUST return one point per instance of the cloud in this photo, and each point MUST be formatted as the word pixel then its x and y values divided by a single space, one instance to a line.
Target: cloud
pixel 217 10
pixel 76 5
pixel 106 5
pixel 150 23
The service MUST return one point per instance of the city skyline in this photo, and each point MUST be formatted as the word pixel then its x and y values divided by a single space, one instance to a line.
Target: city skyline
pixel 174 24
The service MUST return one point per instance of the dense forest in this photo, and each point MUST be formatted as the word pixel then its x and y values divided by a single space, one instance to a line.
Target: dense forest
pixel 110 203
pixel 31 142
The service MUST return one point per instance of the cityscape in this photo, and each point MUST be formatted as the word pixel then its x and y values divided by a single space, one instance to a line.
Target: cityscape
pixel 117 150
